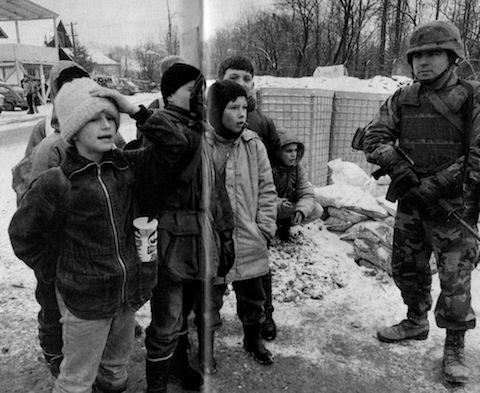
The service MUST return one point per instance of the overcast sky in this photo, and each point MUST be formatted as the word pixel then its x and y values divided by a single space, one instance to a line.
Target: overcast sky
pixel 123 22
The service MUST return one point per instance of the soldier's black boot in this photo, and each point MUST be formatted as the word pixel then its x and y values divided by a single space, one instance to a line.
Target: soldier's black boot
pixel 180 368
pixel 455 368
pixel 269 329
pixel 253 344
pixel 157 376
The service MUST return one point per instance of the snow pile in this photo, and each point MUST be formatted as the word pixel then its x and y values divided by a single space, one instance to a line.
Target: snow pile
pixel 355 204
pixel 377 84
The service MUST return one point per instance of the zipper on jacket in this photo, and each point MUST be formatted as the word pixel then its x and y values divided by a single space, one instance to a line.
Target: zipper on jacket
pixel 115 234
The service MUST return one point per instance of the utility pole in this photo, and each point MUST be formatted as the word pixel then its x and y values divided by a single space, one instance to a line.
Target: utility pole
pixel 73 42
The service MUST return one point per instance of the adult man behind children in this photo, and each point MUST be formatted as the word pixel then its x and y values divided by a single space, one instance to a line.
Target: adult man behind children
pixel 436 161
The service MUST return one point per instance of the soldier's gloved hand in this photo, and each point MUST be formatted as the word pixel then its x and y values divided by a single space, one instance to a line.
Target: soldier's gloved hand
pixel 425 194
pixel 449 183
pixel 403 177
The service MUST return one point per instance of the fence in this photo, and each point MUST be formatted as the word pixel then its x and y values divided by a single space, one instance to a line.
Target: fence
pixel 324 120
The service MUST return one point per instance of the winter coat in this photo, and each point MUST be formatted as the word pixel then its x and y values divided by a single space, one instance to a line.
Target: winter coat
pixel 264 127
pixel 291 182
pixel 175 198
pixel 80 216
pixel 250 188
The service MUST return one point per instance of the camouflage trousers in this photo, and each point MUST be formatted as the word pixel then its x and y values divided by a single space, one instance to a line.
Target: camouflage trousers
pixel 417 234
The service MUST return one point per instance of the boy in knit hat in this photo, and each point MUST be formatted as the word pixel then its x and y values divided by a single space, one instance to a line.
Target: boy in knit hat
pixel 80 215
pixel 165 64
pixel 176 201
pixel 45 149
pixel 239 69
pixel 241 159
pixel 296 202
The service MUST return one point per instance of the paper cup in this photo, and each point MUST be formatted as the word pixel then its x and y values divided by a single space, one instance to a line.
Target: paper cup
pixel 146 237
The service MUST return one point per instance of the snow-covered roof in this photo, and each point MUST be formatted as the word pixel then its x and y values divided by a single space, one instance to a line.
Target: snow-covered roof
pixel 100 58
pixel 23 10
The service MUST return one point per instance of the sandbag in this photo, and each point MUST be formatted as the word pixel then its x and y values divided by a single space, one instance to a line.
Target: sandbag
pixel 347 172
pixel 343 195
pixel 346 215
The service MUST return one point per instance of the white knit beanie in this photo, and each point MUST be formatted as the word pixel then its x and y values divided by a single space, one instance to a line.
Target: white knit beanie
pixel 75 106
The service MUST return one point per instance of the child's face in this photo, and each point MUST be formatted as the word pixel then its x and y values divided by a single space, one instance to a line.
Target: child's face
pixel 243 78
pixel 289 154
pixel 181 97
pixel 235 115
pixel 96 137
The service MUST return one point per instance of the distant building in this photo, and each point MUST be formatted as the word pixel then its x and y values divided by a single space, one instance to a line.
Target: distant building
pixel 65 46
pixel 104 65
pixel 17 60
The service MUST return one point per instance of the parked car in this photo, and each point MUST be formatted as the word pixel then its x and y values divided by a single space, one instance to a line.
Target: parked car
pixel 128 87
pixel 14 97
pixel 123 85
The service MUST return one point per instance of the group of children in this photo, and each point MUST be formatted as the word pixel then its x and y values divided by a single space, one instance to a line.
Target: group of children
pixel 211 186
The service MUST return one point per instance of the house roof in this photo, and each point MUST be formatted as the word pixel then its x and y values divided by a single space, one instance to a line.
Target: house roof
pixel 99 58
pixel 11 10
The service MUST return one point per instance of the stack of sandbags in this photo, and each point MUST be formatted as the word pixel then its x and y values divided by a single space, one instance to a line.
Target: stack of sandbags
pixel 355 204
pixel 372 244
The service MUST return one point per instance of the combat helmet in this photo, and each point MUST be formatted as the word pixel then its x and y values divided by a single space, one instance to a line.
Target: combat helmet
pixel 436 35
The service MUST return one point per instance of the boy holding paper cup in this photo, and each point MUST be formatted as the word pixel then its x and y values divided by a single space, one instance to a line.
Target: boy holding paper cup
pixel 81 215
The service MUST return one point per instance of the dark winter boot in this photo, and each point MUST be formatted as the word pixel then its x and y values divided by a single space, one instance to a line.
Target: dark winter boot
pixel 408 329
pixel 157 376
pixel 180 368
pixel 208 364
pixel 269 329
pixel 455 369
pixel 253 344
pixel 53 362
pixel 99 387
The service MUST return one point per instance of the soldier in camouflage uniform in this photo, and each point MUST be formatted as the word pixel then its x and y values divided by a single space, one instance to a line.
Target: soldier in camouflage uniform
pixel 425 137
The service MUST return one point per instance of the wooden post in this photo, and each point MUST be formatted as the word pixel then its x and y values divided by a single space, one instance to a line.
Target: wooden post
pixel 17 32
pixel 43 96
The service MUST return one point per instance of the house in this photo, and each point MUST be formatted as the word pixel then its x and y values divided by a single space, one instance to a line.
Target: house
pixel 66 49
pixel 17 60
pixel 104 65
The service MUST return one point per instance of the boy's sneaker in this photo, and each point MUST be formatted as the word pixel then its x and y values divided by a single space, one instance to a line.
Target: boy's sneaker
pixel 405 330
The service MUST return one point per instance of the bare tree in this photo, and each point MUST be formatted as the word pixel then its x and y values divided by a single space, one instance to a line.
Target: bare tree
pixel 172 43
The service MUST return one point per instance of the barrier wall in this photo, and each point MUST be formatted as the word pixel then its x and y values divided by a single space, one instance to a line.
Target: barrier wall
pixel 324 120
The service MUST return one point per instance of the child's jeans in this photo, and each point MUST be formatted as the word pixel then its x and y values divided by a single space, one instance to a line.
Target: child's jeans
pixel 94 349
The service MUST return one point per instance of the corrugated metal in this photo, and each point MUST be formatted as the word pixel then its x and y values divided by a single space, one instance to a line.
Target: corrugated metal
pixel 11 10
